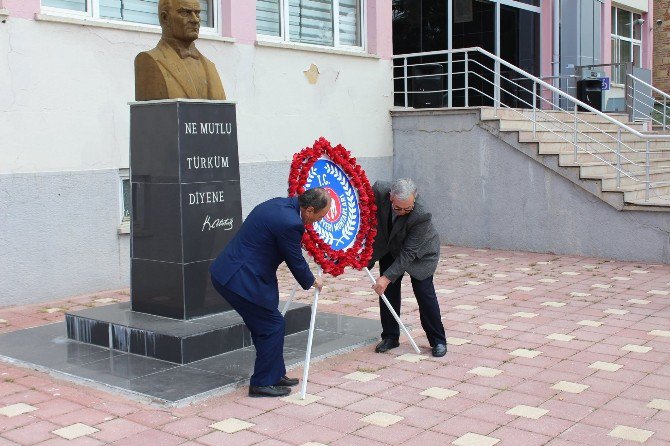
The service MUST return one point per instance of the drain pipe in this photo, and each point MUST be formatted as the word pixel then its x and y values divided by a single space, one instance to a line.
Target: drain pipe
pixel 556 56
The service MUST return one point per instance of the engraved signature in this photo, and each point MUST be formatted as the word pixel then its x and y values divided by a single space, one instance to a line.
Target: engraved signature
pixel 225 223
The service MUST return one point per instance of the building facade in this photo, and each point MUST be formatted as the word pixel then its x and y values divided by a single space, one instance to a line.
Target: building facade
pixel 661 74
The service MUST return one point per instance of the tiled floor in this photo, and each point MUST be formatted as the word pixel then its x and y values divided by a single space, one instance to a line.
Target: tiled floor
pixel 543 350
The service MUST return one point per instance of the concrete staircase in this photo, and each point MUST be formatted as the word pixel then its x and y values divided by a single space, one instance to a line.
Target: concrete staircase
pixel 596 158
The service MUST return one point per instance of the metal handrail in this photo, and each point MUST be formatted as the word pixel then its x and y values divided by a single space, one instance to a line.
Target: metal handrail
pixel 543 86
pixel 636 79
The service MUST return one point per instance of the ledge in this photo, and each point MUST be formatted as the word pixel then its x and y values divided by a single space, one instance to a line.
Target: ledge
pixel 125 26
pixel 314 49
pixel 4 15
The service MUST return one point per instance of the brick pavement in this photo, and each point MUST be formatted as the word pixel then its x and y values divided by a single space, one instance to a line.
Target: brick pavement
pixel 543 350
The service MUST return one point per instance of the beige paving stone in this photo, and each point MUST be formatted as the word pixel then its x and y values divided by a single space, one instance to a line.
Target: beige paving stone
pixel 472 439
pixel 621 278
pixel 554 304
pixel 372 309
pixel 351 279
pixel 75 431
pixel 454 270
pixel 659 404
pixel 231 425
pixel 462 255
pixel 590 266
pixel 485 371
pixel 570 273
pixel 525 315
pixel 361 376
pixel 631 434
pixel 570 387
pixel 638 301
pixel 636 348
pixel 409 300
pixel 493 327
pixel 662 333
pixel 16 409
pixel 525 353
pixel 577 294
pixel 295 398
pixel 501 258
pixel 523 288
pixel 363 293
pixel 495 297
pixel 327 302
pixel 560 337
pixel 601 286
pixel 472 283
pixel 481 250
pixel 3 321
pixel 106 300
pixel 284 294
pixel 499 275
pixel 606 366
pixel 547 280
pixel 544 263
pixel 616 311
pixel 524 269
pixel 311 443
pixel 457 341
pixel 527 411
pixel 659 292
pixel 466 307
pixel 382 419
pixel 444 291
pixel 639 271
pixel 53 310
pixel 439 393
pixel 589 323
pixel 411 357
pixel 480 264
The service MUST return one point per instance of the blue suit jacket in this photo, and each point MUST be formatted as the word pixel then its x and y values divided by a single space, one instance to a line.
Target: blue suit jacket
pixel 271 234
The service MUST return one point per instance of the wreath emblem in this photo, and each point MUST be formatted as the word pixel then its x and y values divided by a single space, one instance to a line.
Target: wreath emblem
pixel 344 236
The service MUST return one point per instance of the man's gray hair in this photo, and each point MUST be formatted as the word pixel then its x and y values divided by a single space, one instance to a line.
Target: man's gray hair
pixel 316 198
pixel 403 188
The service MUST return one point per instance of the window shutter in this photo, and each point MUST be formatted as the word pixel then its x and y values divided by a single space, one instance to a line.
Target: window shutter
pixel 143 11
pixel 268 20
pixel 311 21
pixel 349 22
pixel 72 5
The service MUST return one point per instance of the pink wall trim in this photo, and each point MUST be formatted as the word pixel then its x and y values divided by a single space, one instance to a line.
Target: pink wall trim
pixel 25 9
pixel 380 28
pixel 546 31
pixel 648 38
pixel 239 20
pixel 606 36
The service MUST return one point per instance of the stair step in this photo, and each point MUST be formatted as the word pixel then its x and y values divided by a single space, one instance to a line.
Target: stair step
pixel 508 125
pixel 605 147
pixel 552 115
pixel 663 200
pixel 588 137
pixel 587 159
pixel 637 192
pixel 610 183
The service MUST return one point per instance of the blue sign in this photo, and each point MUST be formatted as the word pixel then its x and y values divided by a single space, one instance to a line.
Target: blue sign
pixel 341 224
pixel 605 83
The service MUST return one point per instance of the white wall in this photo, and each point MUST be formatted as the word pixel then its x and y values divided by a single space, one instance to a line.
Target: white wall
pixel 64 91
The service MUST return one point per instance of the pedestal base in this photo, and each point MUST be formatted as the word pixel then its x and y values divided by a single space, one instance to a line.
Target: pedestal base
pixel 119 328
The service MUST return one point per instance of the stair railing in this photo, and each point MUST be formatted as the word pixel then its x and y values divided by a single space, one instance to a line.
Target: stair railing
pixel 491 90
pixel 657 99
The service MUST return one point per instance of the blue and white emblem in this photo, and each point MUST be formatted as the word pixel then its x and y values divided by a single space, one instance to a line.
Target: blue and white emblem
pixel 340 225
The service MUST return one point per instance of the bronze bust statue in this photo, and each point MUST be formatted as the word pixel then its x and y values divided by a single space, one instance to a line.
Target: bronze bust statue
pixel 175 68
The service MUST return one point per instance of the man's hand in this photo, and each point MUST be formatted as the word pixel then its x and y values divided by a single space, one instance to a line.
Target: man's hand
pixel 318 284
pixel 380 285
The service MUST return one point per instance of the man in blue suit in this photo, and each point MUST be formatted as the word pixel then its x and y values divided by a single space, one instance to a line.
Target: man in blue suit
pixel 245 274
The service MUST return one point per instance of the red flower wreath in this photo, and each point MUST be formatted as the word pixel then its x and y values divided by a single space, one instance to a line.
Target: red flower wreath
pixel 359 254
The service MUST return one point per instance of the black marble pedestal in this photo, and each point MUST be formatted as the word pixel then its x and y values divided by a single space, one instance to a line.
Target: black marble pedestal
pixel 117 327
pixel 185 177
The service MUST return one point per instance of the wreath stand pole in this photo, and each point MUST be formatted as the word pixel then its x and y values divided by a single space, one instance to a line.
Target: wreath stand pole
pixel 395 315
pixel 310 337
pixel 290 299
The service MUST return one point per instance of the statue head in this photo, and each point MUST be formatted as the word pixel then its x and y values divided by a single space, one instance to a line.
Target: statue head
pixel 180 19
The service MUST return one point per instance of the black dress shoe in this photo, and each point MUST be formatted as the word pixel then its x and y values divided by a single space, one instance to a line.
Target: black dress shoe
pixel 386 345
pixel 268 391
pixel 439 350
pixel 287 382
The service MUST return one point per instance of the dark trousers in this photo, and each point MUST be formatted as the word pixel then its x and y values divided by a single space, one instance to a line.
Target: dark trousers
pixel 429 308
pixel 267 329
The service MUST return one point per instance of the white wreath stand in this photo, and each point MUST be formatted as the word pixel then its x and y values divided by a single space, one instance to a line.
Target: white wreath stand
pixel 310 335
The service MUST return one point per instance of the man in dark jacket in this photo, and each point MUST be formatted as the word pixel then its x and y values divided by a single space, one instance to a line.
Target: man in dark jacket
pixel 406 242
pixel 245 274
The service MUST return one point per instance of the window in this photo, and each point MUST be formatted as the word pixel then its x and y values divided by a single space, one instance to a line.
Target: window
pixel 125 203
pixel 333 23
pixel 136 11
pixel 626 42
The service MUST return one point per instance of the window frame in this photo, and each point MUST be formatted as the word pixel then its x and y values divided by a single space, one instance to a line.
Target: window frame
pixel 617 38
pixel 124 222
pixel 284 37
pixel 92 14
